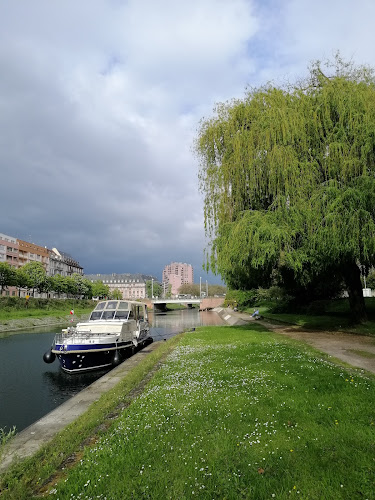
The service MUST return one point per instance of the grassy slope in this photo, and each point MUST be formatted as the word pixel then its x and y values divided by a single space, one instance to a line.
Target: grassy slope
pixel 234 412
pixel 40 313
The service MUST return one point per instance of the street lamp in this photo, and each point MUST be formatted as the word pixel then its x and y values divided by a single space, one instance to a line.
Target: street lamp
pixel 152 288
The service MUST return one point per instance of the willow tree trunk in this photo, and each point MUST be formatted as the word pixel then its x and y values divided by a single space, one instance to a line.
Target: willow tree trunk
pixel 352 277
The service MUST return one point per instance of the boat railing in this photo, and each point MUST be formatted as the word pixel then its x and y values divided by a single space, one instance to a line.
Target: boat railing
pixel 60 338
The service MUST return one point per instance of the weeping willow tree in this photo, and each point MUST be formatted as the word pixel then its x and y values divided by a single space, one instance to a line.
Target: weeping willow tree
pixel 288 177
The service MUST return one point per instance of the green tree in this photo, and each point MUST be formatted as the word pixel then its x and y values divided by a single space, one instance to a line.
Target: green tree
pixel 288 177
pixel 7 276
pixel 22 280
pixel 99 289
pixel 115 294
pixel 36 276
pixel 153 289
pixel 79 286
pixel 216 290
pixel 189 289
pixel 59 284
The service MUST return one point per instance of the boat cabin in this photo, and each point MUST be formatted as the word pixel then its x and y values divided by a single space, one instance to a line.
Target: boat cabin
pixel 119 309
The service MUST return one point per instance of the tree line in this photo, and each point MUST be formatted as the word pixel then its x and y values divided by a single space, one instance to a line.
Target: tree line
pixel 33 277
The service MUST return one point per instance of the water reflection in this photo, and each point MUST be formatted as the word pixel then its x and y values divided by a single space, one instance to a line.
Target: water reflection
pixel 61 386
pixel 165 325
pixel 29 388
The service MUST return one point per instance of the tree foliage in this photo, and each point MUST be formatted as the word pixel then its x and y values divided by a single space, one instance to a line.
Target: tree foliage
pixel 99 289
pixel 288 176
pixel 115 294
pixel 79 286
pixel 35 276
pixel 153 289
pixel 371 279
pixel 194 289
pixel 59 284
pixel 189 289
pixel 7 276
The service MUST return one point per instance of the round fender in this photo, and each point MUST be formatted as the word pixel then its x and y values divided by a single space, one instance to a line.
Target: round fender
pixel 49 356
pixel 116 359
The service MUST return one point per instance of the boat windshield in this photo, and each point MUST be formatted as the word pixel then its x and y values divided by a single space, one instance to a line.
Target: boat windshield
pixel 100 306
pixel 112 304
pixel 111 309
pixel 108 315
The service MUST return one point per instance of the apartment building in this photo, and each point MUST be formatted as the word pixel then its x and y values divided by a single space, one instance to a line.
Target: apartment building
pixel 62 263
pixel 29 252
pixel 131 286
pixel 19 252
pixel 177 274
pixel 9 249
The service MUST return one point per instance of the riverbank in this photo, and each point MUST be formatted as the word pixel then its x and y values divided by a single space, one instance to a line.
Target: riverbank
pixel 16 314
pixel 15 325
pixel 232 412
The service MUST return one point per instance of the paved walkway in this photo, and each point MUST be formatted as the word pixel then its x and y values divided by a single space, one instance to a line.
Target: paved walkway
pixel 356 350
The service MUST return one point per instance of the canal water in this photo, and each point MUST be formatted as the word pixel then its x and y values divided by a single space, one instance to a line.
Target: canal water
pixel 30 388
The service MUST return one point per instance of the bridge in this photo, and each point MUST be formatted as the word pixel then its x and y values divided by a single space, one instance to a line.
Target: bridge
pixel 204 303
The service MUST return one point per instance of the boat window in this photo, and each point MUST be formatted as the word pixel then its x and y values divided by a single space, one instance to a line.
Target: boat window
pixel 131 314
pixel 100 306
pixel 123 305
pixel 95 315
pixel 112 304
pixel 140 313
pixel 108 314
pixel 121 314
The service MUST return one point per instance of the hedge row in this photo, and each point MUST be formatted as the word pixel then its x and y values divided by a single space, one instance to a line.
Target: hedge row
pixel 38 303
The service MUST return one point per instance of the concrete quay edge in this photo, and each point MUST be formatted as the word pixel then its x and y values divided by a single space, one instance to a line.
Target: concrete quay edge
pixel 233 318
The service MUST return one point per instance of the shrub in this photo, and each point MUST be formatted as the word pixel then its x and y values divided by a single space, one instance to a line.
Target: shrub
pixel 370 282
pixel 241 298
pixel 38 303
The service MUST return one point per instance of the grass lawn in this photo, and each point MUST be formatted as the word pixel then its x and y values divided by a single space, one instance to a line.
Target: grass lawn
pixel 235 413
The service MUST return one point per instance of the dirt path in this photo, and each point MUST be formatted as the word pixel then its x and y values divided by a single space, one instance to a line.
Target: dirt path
pixel 356 350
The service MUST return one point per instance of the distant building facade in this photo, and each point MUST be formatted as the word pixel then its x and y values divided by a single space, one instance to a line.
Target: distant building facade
pixel 29 252
pixel 17 253
pixel 62 263
pixel 9 249
pixel 131 286
pixel 177 274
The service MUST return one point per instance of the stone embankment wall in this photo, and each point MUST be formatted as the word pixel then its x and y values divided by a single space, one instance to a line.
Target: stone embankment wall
pixel 232 317
pixel 212 302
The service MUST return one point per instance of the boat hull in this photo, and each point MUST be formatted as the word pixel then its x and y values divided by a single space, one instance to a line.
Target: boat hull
pixel 83 358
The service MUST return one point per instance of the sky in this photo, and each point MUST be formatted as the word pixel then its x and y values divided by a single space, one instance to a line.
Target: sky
pixel 101 102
